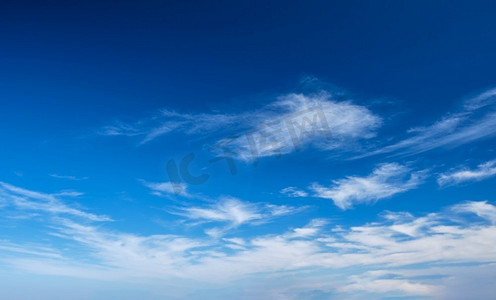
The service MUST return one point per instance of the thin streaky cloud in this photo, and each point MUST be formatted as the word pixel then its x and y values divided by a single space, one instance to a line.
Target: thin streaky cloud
pixel 26 200
pixel 167 189
pixel 483 171
pixel 234 212
pixel 480 208
pixel 68 177
pixel 293 192
pixel 385 181
pixel 344 122
pixel 121 128
pixel 377 256
pixel 39 251
pixel 231 211
pixel 168 121
pixel 484 99
pixel 298 121
pixel 476 121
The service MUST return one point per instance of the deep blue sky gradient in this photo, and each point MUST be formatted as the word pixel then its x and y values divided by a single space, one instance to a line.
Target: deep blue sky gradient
pixel 70 68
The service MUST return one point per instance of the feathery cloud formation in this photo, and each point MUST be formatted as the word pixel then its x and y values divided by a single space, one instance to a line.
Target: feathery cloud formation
pixel 476 121
pixel 374 258
pixel 289 123
pixel 385 181
pixel 483 171
pixel 26 200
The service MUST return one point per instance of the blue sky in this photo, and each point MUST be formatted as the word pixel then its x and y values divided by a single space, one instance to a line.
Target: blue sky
pixel 262 150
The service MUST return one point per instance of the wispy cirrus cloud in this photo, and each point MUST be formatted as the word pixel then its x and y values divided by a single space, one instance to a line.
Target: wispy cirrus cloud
pixel 483 171
pixel 298 121
pixel 233 213
pixel 168 121
pixel 367 261
pixel 26 200
pixel 481 209
pixel 288 123
pixel 293 192
pixel 385 181
pixel 484 99
pixel 384 281
pixel 167 189
pixel 476 121
pixel 68 177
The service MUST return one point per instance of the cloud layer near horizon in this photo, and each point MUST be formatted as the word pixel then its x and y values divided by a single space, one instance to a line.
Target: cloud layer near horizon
pixel 435 243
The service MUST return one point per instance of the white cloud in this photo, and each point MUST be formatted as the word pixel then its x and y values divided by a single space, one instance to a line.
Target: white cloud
pixel 293 192
pixel 453 130
pixel 22 199
pixel 122 128
pixel 397 255
pixel 165 189
pixel 68 193
pixel 68 177
pixel 235 212
pixel 311 229
pixel 385 181
pixel 484 99
pixel 229 210
pixel 167 121
pixel 36 250
pixel 481 209
pixel 483 171
pixel 291 122
pixel 370 261
pixel 380 282
pixel 296 121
